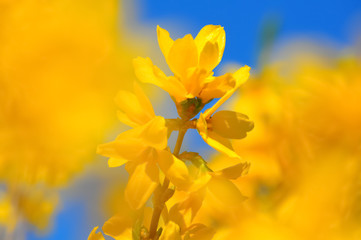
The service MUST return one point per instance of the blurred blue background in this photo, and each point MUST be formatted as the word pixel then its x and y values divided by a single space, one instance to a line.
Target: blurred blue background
pixel 336 20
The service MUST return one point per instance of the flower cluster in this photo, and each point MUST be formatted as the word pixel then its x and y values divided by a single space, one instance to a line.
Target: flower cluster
pixel 179 181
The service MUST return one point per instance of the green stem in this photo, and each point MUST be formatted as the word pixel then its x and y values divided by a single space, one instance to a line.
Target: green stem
pixel 159 205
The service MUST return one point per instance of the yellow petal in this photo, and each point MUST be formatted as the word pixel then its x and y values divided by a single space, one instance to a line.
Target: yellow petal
pixel 164 41
pixel 241 76
pixel 217 87
pixel 171 232
pixel 141 184
pixel 201 180
pixel 174 169
pixel 123 117
pixel 117 226
pixel 230 124
pixel 234 171
pixel 144 101
pixel 116 162
pixel 195 81
pixel 212 139
pixel 122 150
pixel 221 144
pixel 213 34
pixel 185 211
pixel 224 192
pixel 146 72
pixel 208 58
pixel 154 133
pixel 135 108
pixel 182 56
pixel 95 236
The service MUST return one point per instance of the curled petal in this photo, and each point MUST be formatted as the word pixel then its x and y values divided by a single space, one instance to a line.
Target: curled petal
pixel 234 171
pixel 164 40
pixel 217 87
pixel 148 73
pixel 142 183
pixel 213 34
pixel 241 76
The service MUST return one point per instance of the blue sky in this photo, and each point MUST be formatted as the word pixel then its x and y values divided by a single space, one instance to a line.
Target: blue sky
pixel 332 19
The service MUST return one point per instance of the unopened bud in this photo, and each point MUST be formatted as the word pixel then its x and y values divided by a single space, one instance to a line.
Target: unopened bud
pixel 230 124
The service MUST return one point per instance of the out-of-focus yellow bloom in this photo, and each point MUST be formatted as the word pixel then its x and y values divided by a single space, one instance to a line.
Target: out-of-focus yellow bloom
pixel 303 183
pixel 60 64
pixel 192 61
pixel 36 206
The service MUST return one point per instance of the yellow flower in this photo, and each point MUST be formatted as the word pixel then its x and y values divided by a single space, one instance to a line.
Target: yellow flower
pixel 217 129
pixel 192 61
pixel 215 187
pixel 142 148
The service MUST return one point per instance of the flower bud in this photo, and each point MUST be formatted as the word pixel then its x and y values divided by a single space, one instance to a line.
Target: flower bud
pixel 230 124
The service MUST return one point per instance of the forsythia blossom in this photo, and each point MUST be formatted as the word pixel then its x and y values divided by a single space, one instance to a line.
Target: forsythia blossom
pixel 178 181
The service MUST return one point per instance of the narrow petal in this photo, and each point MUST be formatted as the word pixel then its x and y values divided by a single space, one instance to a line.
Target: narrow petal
pixel 213 34
pixel 122 150
pixel 221 144
pixel 240 76
pixel 174 169
pixel 141 184
pixel 124 118
pixel 234 171
pixel 164 40
pixel 208 58
pixel 217 87
pixel 144 102
pixel 146 72
pixel 116 162
pixel 95 236
pixel 182 56
pixel 135 108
